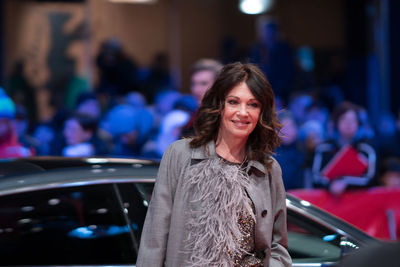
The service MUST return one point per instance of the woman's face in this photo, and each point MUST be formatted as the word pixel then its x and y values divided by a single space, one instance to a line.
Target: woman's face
pixel 200 82
pixel 240 114
pixel 348 124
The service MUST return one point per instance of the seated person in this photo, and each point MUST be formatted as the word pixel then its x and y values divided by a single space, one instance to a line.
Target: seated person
pixel 346 126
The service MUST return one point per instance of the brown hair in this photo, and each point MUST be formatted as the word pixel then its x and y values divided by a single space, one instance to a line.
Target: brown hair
pixel 264 138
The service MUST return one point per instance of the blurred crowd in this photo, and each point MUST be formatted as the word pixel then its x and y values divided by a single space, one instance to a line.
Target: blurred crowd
pixel 135 111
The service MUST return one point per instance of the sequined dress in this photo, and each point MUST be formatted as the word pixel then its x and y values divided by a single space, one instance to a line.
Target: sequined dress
pixel 246 223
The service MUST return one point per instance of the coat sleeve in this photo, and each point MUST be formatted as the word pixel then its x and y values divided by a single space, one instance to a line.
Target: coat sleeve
pixel 154 237
pixel 279 247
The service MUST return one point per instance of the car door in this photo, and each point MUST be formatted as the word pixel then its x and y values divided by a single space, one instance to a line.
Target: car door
pixel 80 225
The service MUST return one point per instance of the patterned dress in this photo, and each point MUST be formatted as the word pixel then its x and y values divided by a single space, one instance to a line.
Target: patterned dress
pixel 246 223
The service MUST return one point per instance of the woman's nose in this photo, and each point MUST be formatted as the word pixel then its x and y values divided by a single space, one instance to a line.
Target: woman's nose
pixel 242 110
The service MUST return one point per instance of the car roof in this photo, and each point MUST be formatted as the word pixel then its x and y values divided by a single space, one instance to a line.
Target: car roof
pixel 22 175
pixel 43 163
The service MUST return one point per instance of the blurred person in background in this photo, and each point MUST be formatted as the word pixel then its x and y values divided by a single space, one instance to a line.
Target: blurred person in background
pixel 22 92
pixel 346 122
pixel 389 173
pixel 129 123
pixel 171 127
pixel 164 102
pixel 87 104
pixel 117 72
pixel 156 78
pixel 317 111
pixel 298 104
pixel 147 120
pixel 22 126
pixel 275 57
pixel 10 147
pixel 311 134
pixel 186 103
pixel 57 125
pixel 49 135
pixel 44 135
pixel 170 131
pixel 290 154
pixel 79 131
pixel 202 76
pixel 75 87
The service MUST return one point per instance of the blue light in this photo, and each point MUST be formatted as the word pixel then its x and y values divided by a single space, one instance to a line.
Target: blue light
pixel 100 231
pixel 82 232
pixel 329 238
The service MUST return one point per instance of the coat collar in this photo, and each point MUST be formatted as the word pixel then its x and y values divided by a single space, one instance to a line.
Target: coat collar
pixel 208 152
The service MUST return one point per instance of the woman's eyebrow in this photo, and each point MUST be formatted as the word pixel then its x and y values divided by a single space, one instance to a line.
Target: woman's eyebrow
pixel 251 99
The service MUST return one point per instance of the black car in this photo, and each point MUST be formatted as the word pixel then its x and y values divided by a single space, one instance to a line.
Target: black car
pixel 90 211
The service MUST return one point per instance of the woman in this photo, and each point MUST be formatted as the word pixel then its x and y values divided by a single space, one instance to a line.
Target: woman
pixel 347 136
pixel 219 199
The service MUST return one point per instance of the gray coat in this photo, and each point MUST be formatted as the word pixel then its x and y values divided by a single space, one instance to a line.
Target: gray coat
pixel 164 228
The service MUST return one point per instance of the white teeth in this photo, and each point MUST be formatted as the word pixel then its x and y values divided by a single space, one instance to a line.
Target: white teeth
pixel 241 122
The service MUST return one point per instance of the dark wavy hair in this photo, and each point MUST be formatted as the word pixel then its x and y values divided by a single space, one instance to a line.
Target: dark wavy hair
pixel 265 136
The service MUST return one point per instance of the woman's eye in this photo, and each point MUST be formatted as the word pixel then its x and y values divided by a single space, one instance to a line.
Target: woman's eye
pixel 254 105
pixel 232 102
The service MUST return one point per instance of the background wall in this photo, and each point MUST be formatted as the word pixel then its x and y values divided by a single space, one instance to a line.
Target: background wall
pixel 199 26
pixel 45 32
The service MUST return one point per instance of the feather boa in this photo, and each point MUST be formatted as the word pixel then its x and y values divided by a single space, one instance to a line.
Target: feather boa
pixel 216 197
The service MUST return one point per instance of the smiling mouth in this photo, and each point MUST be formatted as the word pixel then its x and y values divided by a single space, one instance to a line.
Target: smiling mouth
pixel 241 122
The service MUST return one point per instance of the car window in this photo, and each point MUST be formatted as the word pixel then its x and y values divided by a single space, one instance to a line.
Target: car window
pixel 145 190
pixel 310 242
pixel 76 226
pixel 136 198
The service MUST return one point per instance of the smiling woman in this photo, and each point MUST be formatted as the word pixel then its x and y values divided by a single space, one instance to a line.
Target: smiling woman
pixel 239 116
pixel 223 174
pixel 240 98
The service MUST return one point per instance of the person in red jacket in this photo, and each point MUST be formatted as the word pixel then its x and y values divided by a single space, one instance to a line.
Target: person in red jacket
pixel 9 145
